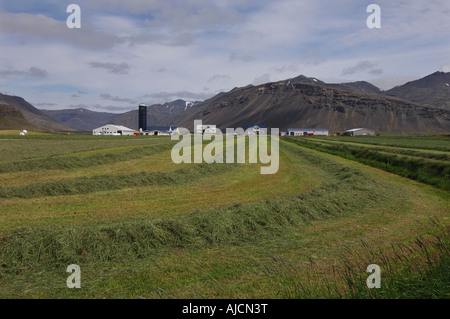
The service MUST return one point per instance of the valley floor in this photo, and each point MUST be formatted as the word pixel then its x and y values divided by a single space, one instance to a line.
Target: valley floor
pixel 140 226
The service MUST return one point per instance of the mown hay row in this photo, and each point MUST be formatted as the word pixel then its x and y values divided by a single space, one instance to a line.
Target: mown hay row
pixel 347 190
pixel 425 171
pixel 71 162
pixel 86 185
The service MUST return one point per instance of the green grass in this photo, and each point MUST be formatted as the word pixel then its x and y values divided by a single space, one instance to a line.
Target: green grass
pixel 424 153
pixel 405 278
pixel 241 184
pixel 18 148
pixel 227 225
pixel 85 185
pixel 416 142
pixel 417 270
pixel 49 248
pixel 436 173
pixel 82 159
pixel 217 231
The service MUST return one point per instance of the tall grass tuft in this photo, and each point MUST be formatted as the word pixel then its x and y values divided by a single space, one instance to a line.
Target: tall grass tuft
pixel 418 270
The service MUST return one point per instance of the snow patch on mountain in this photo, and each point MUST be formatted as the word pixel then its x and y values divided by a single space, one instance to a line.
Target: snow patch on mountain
pixel 190 104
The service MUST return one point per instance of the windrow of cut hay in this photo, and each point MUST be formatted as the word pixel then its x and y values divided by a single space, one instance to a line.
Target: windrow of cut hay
pixel 414 142
pixel 426 171
pixel 347 190
pixel 71 162
pixel 439 156
pixel 419 268
pixel 86 185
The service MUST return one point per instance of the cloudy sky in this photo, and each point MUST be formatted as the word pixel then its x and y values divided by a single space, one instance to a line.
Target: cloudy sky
pixel 154 51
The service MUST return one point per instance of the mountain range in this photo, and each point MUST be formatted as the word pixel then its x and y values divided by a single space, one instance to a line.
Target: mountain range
pixel 80 119
pixel 296 105
pixel 156 114
pixel 432 90
pixel 305 102
pixel 421 106
pixel 30 117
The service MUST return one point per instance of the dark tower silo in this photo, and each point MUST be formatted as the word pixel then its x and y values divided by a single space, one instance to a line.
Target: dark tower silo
pixel 142 117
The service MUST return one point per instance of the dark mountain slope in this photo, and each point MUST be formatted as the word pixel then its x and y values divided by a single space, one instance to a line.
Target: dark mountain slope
pixel 433 89
pixel 284 105
pixel 11 118
pixel 359 86
pixel 34 116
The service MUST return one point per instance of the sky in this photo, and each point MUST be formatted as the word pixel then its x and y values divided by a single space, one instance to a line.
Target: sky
pixel 136 51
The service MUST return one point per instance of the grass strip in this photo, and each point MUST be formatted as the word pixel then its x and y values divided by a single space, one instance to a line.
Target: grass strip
pixel 347 190
pixel 408 152
pixel 416 270
pixel 430 172
pixel 86 185
pixel 416 142
pixel 70 162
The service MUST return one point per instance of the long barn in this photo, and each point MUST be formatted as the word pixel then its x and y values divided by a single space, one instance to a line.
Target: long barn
pixel 360 132
pixel 111 129
pixel 307 131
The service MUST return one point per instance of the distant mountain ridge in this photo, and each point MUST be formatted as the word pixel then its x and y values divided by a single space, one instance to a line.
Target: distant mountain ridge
pixel 155 113
pixel 433 89
pixel 420 106
pixel 293 103
pixel 359 86
pixel 81 119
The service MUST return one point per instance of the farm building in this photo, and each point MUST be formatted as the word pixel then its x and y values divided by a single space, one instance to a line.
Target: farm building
pixel 360 132
pixel 307 131
pixel 257 130
pixel 142 117
pixel 160 130
pixel 111 129
pixel 205 129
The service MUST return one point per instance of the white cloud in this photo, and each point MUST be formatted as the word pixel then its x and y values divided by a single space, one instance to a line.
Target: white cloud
pixel 116 68
pixel 362 66
pixel 110 97
pixel 445 68
pixel 194 49
pixel 261 79
pixel 29 27
pixel 32 72
pixel 241 57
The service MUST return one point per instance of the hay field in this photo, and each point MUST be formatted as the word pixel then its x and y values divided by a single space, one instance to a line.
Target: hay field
pixel 140 226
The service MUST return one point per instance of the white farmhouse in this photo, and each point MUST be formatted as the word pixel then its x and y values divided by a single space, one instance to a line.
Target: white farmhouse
pixel 205 129
pixel 307 131
pixel 256 130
